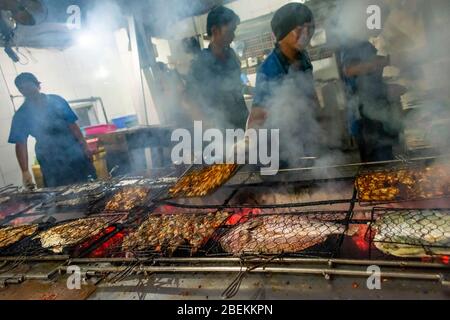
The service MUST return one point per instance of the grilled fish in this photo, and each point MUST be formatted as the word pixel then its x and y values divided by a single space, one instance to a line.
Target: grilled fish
pixel 127 199
pixel 423 183
pixel 173 231
pixel 71 233
pixel 417 233
pixel 10 235
pixel 201 182
pixel 272 234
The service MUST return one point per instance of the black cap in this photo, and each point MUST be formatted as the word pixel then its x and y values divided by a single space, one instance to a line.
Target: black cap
pixel 288 17
pixel 25 77
pixel 220 16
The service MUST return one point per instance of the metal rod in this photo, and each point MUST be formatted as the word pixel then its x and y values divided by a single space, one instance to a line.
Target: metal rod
pixel 224 269
pixel 37 259
pixel 259 206
pixel 349 165
pixel 406 264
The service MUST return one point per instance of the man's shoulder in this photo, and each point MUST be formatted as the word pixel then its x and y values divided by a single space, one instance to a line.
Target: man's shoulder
pixel 271 67
pixel 204 56
pixel 22 111
pixel 55 97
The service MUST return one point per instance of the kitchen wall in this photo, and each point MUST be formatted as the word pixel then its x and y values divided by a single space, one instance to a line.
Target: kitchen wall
pixel 98 67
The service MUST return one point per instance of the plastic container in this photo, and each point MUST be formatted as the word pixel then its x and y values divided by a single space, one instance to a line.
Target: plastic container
pixel 92 144
pixel 99 129
pixel 126 121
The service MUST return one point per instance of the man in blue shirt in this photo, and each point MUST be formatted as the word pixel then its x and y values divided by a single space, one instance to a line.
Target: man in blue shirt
pixel 373 120
pixel 214 84
pixel 284 96
pixel 61 150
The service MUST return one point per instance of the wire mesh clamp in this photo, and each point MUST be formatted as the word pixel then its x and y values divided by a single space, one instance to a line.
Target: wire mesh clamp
pixel 235 285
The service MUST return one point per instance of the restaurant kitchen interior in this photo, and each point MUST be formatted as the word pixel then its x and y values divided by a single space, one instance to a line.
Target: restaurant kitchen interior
pixel 151 229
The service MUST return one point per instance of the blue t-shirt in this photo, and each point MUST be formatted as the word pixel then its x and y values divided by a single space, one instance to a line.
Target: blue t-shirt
pixel 216 87
pixel 364 92
pixel 287 91
pixel 274 70
pixel 369 86
pixel 48 124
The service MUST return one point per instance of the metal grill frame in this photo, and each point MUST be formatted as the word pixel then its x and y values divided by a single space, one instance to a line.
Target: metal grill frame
pixel 376 211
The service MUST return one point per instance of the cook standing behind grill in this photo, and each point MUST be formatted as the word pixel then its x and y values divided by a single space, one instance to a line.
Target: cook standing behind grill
pixel 374 110
pixel 61 150
pixel 284 96
pixel 214 92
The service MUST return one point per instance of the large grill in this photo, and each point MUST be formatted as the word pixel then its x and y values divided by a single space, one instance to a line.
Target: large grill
pixel 251 224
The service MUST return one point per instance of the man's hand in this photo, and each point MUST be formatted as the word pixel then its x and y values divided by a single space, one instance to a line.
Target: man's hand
pixel 88 153
pixel 257 117
pixel 27 180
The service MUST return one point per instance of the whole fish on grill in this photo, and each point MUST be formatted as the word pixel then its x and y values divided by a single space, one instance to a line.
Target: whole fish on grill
pixel 13 234
pixel 275 234
pixel 416 233
pixel 72 233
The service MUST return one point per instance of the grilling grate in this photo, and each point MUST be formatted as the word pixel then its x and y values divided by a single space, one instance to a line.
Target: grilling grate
pixel 400 183
pixel 410 233
pixel 105 227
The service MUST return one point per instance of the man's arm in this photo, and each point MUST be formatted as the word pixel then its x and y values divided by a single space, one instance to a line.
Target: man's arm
pixel 257 117
pixel 22 158
pixel 75 129
pixel 362 68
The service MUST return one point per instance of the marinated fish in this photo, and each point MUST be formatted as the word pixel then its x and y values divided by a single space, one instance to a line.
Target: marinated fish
pixel 71 233
pixel 13 234
pixel 127 199
pixel 275 234
pixel 416 233
pixel 404 184
pixel 201 182
pixel 173 231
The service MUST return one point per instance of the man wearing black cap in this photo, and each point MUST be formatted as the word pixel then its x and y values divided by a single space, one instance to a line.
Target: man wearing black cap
pixel 285 96
pixel 214 84
pixel 61 150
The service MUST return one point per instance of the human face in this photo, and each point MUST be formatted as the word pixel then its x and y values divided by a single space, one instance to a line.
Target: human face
pixel 225 34
pixel 29 89
pixel 302 36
